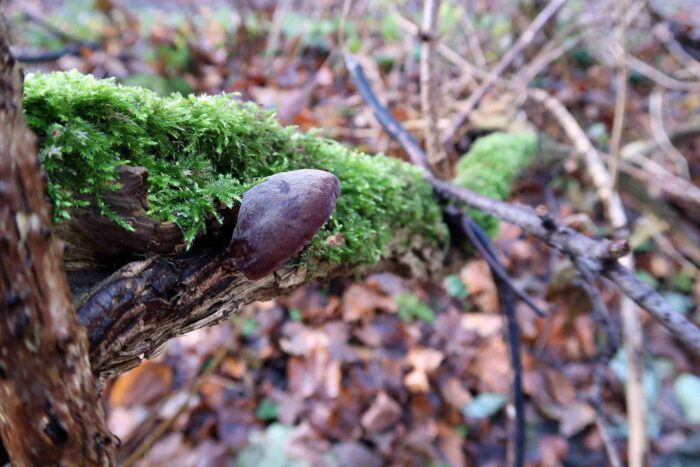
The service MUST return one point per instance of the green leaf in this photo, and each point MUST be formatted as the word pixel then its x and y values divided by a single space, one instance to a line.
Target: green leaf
pixel 455 287
pixel 267 410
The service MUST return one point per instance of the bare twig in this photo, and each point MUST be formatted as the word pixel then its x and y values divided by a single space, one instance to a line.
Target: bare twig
pixel 656 124
pixel 663 33
pixel 620 95
pixel 473 40
pixel 614 210
pixel 51 55
pixel 274 36
pixel 602 316
pixel 661 78
pixel 437 159
pixel 601 255
pixel 483 245
pixel 506 298
pixel 480 241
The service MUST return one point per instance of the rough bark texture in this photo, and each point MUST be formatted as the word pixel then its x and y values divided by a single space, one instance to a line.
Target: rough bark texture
pixel 132 313
pixel 49 410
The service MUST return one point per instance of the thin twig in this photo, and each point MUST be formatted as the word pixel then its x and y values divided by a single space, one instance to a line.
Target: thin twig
pixel 505 288
pixel 473 40
pixel 661 78
pixel 513 331
pixel 481 242
pixel 614 211
pixel 274 35
pixel 658 132
pixel 52 55
pixel 437 159
pixel 620 96
pixel 664 34
pixel 612 342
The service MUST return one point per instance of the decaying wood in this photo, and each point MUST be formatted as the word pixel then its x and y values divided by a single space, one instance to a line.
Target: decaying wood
pixel 49 410
pixel 132 312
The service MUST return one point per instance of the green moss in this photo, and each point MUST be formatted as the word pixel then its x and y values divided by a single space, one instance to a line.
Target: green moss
pixel 491 166
pixel 205 151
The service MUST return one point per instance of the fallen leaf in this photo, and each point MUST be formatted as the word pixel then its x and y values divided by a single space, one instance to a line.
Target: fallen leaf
pixel 552 449
pixel 572 418
pixel 360 302
pixel 476 275
pixel 144 384
pixel 485 405
pixel 451 445
pixel 417 381
pixel 353 454
pixel 559 387
pixel 300 340
pixel 234 426
pixel 454 392
pixel 493 367
pixel 425 359
pixel 382 414
pixel 234 367
pixel 483 324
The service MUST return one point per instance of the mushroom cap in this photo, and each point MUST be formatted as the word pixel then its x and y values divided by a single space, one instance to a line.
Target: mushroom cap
pixel 279 216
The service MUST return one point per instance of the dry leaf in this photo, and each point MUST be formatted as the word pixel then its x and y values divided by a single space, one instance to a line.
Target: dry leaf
pixel 360 302
pixel 142 385
pixel 382 414
pixel 477 277
pixel 454 392
pixel 483 324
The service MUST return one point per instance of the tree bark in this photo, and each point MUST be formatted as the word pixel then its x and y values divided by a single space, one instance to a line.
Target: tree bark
pixel 135 310
pixel 49 410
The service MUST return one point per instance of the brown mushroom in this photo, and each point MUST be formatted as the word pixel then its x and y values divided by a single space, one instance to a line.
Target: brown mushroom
pixel 279 216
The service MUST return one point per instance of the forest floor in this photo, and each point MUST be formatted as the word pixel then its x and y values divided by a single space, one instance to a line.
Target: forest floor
pixel 389 371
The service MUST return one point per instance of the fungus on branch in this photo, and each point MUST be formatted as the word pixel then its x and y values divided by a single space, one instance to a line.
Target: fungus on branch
pixel 278 217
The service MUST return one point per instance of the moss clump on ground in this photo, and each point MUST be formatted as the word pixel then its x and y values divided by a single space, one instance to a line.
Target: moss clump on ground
pixel 490 168
pixel 205 151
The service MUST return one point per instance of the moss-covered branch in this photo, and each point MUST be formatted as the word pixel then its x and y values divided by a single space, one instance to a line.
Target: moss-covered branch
pixel 171 170
pixel 201 152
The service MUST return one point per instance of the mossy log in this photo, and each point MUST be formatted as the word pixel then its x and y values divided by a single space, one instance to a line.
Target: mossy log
pixel 146 189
